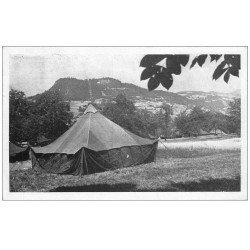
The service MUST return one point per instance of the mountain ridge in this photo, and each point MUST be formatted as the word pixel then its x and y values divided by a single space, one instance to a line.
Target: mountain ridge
pixel 107 88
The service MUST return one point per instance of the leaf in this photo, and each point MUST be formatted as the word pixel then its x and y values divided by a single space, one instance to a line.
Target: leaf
pixel 193 62
pixel 149 72
pixel 234 71
pixel 219 70
pixel 173 66
pixel 227 76
pixel 167 82
pixel 150 60
pixel 153 83
pixel 234 60
pixel 166 79
pixel 215 57
pixel 177 70
pixel 182 59
pixel 199 59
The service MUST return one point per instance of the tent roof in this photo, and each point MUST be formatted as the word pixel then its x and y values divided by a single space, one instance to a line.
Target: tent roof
pixel 90 109
pixel 219 131
pixel 42 139
pixel 202 132
pixel 93 131
pixel 14 149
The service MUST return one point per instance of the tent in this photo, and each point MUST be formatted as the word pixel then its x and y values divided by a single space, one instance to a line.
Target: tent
pixel 217 132
pixel 93 144
pixel 42 140
pixel 202 132
pixel 17 153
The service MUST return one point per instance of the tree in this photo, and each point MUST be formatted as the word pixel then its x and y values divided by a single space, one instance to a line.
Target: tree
pixel 197 120
pixel 168 111
pixel 149 121
pixel 193 122
pixel 52 115
pixel 234 116
pixel 49 115
pixel 164 119
pixel 18 112
pixel 125 104
pixel 215 121
pixel 163 75
pixel 123 112
pixel 182 124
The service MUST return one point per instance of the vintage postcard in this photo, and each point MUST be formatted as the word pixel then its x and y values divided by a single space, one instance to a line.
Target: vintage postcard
pixel 125 123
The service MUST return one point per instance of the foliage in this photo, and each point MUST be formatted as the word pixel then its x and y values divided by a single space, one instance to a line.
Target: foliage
pixel 188 123
pixel 215 121
pixel 182 124
pixel 54 114
pixel 149 121
pixel 164 121
pixel 198 120
pixel 82 109
pixel 163 75
pixel 123 112
pixel 234 116
pixel 168 111
pixel 18 113
pixel 49 115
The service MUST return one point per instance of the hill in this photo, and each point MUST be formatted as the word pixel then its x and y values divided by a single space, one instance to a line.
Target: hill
pixel 98 90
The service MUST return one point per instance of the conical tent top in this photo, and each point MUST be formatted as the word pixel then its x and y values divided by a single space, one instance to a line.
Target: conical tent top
pixel 90 109
pixel 95 132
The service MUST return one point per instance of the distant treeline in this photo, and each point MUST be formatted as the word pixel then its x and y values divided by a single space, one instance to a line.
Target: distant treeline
pixel 192 122
pixel 49 115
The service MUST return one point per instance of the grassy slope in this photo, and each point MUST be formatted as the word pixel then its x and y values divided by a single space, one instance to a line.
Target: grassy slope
pixel 213 171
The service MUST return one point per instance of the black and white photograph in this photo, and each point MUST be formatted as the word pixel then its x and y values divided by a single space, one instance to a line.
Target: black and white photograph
pixel 104 123
pixel 124 125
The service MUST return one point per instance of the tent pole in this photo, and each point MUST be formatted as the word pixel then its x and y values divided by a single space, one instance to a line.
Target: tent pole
pixel 85 160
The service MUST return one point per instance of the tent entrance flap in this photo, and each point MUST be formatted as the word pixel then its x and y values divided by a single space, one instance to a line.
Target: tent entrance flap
pixel 83 156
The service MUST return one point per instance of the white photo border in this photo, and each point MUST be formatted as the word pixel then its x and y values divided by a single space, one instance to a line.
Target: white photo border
pixel 126 196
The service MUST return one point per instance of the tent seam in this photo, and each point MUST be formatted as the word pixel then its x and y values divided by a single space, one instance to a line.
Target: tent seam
pixel 89 129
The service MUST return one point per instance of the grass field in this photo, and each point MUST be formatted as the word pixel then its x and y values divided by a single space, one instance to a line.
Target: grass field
pixel 192 165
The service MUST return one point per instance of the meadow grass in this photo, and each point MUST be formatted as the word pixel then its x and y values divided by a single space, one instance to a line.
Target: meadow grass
pixel 197 148
pixel 191 152
pixel 177 169
pixel 219 172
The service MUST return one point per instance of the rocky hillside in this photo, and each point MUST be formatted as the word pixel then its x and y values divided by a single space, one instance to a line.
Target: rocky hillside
pixel 97 90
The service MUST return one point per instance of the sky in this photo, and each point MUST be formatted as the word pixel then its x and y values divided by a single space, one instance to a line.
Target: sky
pixel 36 73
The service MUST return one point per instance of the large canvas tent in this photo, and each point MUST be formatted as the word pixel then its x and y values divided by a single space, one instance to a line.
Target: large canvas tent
pixel 93 144
pixel 17 153
pixel 217 132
